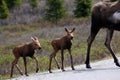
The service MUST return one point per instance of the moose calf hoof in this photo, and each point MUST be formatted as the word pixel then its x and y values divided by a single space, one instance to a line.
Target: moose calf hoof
pixel 26 74
pixel 21 73
pixel 58 67
pixel 63 70
pixel 50 71
pixel 37 70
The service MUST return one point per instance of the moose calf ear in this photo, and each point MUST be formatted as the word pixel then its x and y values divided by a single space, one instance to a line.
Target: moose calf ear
pixel 66 30
pixel 32 38
pixel 73 29
pixel 35 38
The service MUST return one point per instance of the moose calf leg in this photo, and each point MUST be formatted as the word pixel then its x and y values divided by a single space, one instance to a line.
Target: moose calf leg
pixel 50 64
pixel 13 64
pixel 37 69
pixel 62 58
pixel 19 69
pixel 51 56
pixel 57 63
pixel 71 59
pixel 25 64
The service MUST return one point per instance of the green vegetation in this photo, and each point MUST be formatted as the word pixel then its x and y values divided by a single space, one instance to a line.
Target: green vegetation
pixel 6 5
pixel 4 12
pixel 54 10
pixel 83 8
pixel 33 3
pixel 12 3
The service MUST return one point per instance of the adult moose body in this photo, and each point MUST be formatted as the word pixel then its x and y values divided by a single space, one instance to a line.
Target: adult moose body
pixel 104 15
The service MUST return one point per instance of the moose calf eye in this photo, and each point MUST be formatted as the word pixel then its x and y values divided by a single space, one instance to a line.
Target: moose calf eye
pixel 36 44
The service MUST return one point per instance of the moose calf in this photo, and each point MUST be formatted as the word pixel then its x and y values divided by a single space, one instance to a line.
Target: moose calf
pixel 62 44
pixel 26 50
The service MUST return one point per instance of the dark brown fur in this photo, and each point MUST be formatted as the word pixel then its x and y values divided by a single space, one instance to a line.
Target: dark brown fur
pixel 25 50
pixel 62 44
pixel 102 13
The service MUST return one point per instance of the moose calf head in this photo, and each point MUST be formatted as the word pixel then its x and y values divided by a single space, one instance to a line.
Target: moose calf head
pixel 36 43
pixel 70 33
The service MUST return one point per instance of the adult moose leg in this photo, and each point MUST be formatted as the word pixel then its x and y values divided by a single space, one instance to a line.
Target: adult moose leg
pixel 94 31
pixel 71 59
pixel 107 44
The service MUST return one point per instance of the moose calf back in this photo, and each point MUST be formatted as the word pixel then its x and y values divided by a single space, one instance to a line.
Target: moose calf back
pixel 23 50
pixel 61 43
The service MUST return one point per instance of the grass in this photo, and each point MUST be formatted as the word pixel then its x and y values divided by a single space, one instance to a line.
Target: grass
pixel 16 30
pixel 18 34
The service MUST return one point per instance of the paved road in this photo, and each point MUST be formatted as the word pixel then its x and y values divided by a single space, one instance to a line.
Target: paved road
pixel 102 70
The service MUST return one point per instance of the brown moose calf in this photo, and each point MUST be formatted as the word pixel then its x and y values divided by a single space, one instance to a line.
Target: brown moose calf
pixel 62 44
pixel 26 50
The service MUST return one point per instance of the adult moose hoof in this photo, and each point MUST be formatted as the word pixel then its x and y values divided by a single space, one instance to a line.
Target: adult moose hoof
pixel 117 64
pixel 88 66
